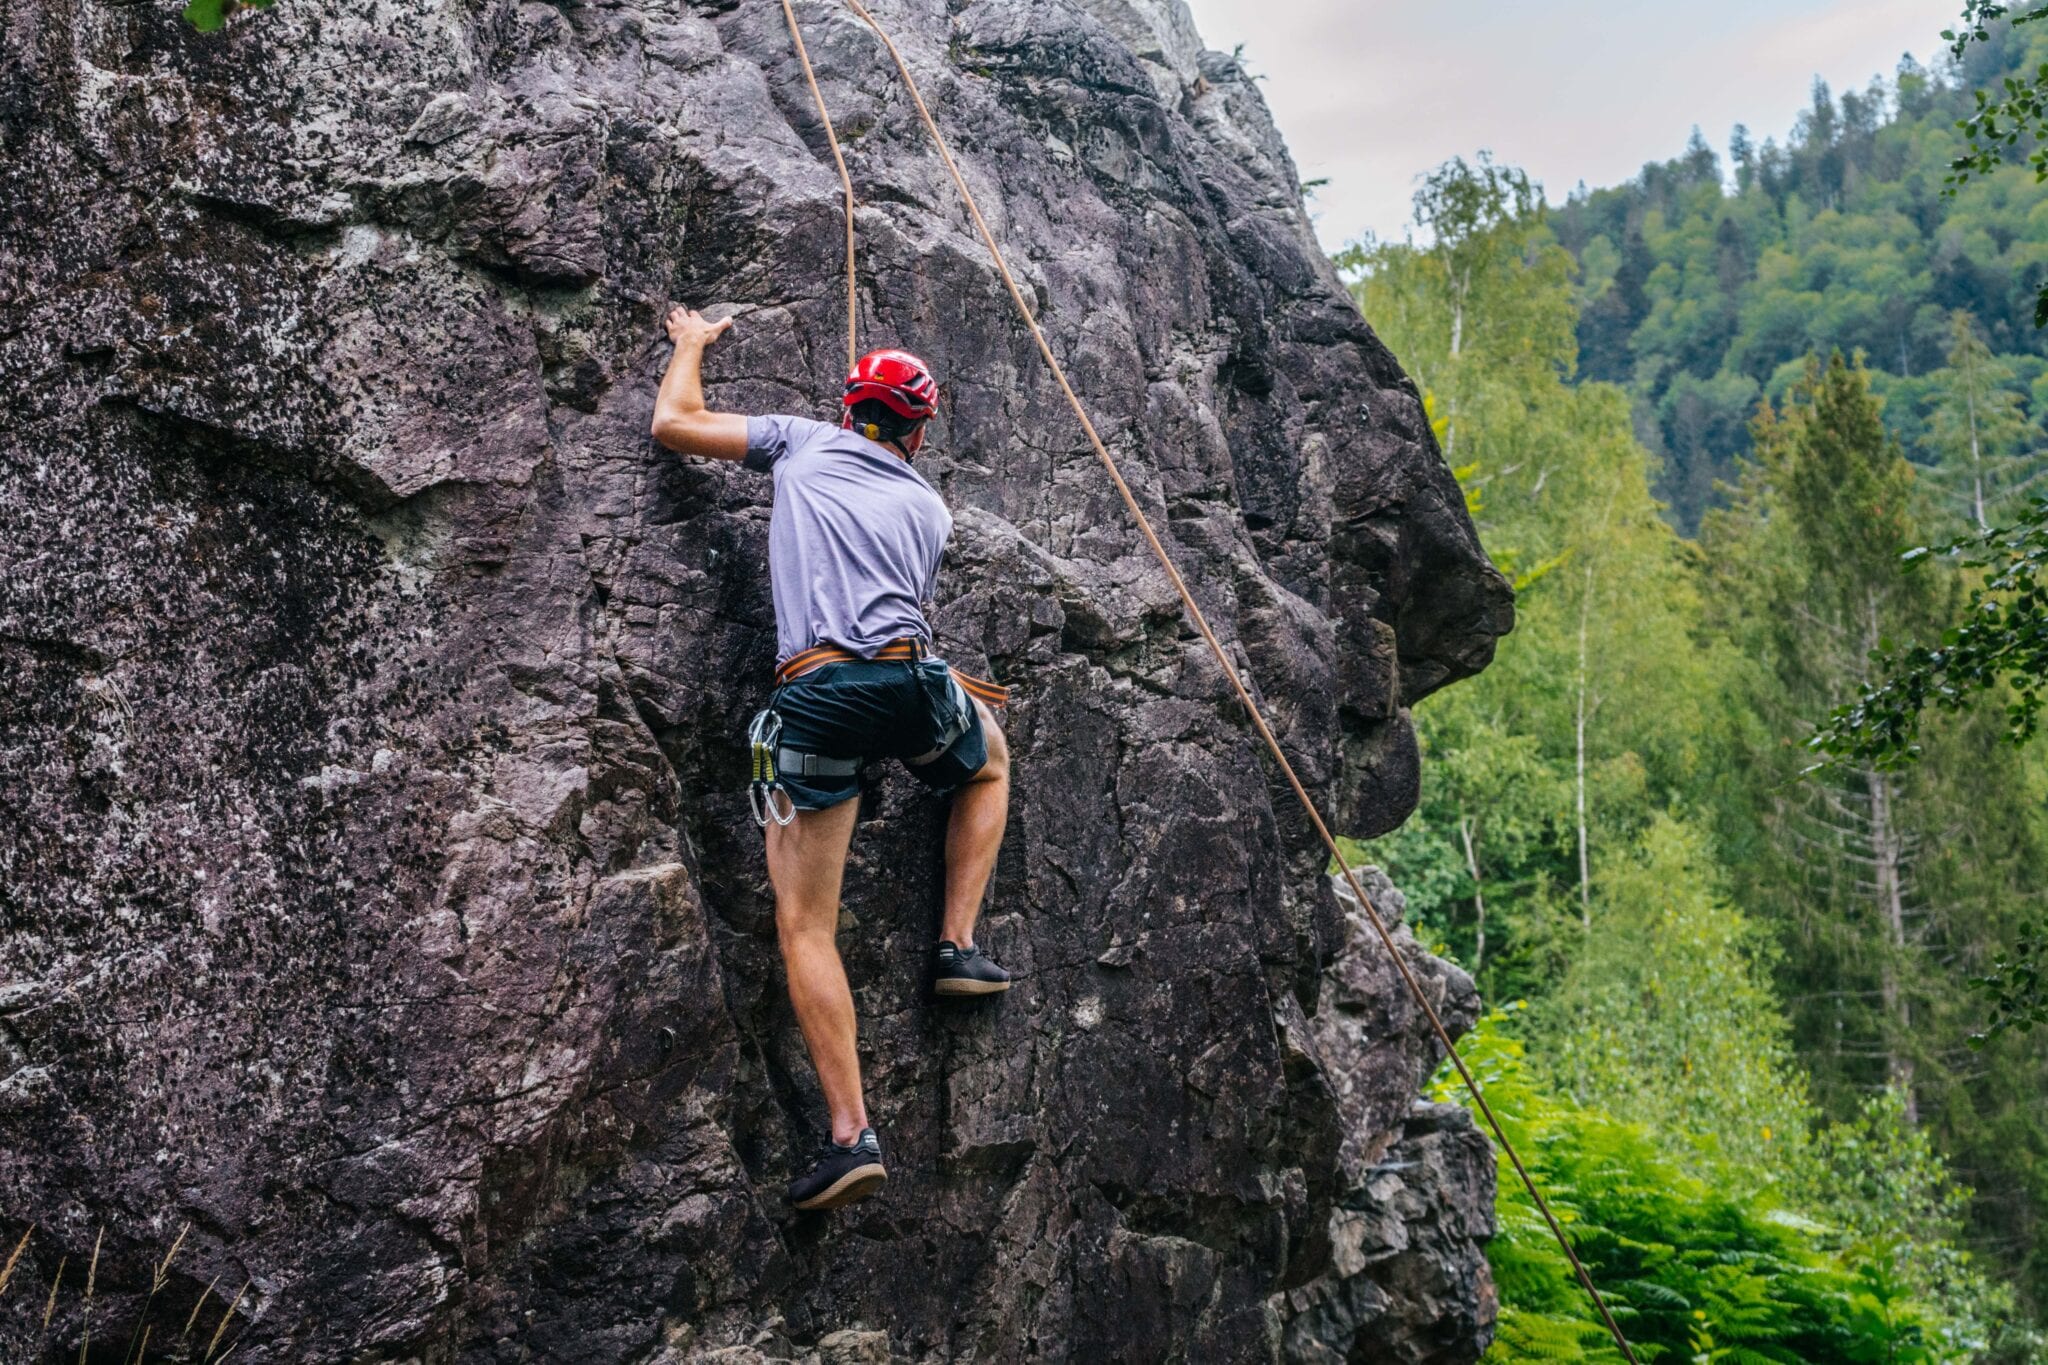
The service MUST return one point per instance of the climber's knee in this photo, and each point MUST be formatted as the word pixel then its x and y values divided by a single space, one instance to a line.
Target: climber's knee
pixel 802 922
pixel 997 767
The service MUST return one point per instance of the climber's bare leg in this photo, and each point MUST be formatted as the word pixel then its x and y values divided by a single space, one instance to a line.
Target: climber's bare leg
pixel 806 864
pixel 974 833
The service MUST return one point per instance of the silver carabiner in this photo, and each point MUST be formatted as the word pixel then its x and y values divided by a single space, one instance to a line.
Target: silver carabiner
pixel 761 796
pixel 763 736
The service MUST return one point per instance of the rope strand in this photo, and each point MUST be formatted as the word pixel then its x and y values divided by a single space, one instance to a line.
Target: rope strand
pixel 1201 623
pixel 845 182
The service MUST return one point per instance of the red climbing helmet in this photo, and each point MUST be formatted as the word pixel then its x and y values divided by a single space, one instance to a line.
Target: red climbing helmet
pixel 899 379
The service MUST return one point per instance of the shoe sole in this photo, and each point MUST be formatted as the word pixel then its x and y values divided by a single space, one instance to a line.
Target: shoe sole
pixel 961 985
pixel 856 1185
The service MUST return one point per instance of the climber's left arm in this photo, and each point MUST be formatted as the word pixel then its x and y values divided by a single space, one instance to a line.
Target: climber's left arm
pixel 681 421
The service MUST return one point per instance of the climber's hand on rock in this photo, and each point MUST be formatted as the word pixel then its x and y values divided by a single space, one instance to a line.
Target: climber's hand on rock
pixel 681 420
pixel 687 326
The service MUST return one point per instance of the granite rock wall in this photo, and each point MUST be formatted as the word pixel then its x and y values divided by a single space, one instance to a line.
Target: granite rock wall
pixel 377 891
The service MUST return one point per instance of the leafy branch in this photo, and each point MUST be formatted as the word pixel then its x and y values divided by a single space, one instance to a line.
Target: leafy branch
pixel 2016 110
pixel 2014 986
pixel 209 16
pixel 2002 638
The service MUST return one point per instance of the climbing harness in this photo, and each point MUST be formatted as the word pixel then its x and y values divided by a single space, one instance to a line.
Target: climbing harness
pixel 1194 611
pixel 950 692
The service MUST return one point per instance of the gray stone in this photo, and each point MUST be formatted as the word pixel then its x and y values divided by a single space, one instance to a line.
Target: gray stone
pixel 377 893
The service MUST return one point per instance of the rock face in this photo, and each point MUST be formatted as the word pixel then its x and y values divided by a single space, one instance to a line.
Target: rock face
pixel 377 887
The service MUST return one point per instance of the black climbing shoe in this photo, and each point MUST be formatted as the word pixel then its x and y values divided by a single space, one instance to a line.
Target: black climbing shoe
pixel 843 1175
pixel 964 971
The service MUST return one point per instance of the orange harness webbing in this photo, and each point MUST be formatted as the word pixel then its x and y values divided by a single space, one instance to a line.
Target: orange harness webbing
pixel 817 656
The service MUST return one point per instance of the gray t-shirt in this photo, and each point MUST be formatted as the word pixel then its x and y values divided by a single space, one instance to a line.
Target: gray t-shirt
pixel 855 539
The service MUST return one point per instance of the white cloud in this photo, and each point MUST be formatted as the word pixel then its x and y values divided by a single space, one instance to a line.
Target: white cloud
pixel 1371 95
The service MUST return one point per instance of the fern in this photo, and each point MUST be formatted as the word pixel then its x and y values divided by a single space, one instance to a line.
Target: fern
pixel 1695 1273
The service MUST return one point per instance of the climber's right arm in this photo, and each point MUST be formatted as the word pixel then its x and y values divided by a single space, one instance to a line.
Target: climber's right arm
pixel 681 421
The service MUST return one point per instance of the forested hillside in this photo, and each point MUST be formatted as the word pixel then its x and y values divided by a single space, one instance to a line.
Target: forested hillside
pixel 1735 1006
pixel 1705 282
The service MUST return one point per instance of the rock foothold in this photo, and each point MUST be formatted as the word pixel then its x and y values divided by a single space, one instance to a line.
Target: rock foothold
pixel 377 891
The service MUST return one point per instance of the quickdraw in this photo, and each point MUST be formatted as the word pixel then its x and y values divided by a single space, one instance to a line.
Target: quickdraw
pixel 764 736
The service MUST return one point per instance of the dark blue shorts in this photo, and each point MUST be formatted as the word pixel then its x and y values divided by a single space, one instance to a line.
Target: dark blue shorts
pixel 907 710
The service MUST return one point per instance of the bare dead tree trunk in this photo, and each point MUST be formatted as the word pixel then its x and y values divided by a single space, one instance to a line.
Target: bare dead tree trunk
pixel 1976 459
pixel 1459 289
pixel 1885 845
pixel 1465 824
pixel 1579 731
pixel 1887 858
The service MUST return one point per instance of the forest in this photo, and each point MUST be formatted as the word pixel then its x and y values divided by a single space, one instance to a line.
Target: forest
pixel 1703 284
pixel 1716 424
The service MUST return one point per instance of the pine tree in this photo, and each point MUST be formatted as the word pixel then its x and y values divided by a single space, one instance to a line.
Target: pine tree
pixel 1978 432
pixel 1890 887
pixel 1847 492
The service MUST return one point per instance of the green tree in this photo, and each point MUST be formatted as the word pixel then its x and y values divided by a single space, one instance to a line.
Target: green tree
pixel 1688 1040
pixel 1461 311
pixel 1890 886
pixel 1538 763
pixel 2009 123
pixel 1978 429
pixel 1809 556
pixel 2000 645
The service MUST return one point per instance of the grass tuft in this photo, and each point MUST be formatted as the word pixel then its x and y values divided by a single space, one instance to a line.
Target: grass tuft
pixel 158 1278
pixel 163 1267
pixel 137 1350
pixel 92 1275
pixel 50 1304
pixel 7 1271
pixel 193 1318
pixel 225 1319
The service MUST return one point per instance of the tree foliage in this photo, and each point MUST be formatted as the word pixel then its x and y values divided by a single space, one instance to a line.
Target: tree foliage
pixel 1613 823
pixel 2008 121
pixel 1999 647
pixel 1703 291
pixel 210 16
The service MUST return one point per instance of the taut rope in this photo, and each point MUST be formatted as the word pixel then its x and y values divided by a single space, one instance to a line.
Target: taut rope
pixel 1194 612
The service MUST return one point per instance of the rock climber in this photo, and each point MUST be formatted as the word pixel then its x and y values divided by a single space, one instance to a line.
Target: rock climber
pixel 854 544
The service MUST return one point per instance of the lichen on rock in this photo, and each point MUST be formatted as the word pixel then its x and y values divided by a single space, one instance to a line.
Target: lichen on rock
pixel 378 890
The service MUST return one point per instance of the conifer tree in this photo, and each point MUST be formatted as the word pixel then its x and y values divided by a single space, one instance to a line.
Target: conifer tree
pixel 1890 886
pixel 1840 493
pixel 1978 431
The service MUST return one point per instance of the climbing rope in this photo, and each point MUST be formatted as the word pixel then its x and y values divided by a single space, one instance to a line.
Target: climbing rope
pixel 1194 612
pixel 845 182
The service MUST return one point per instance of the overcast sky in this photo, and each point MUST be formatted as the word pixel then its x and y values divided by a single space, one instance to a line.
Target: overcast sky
pixel 1371 93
